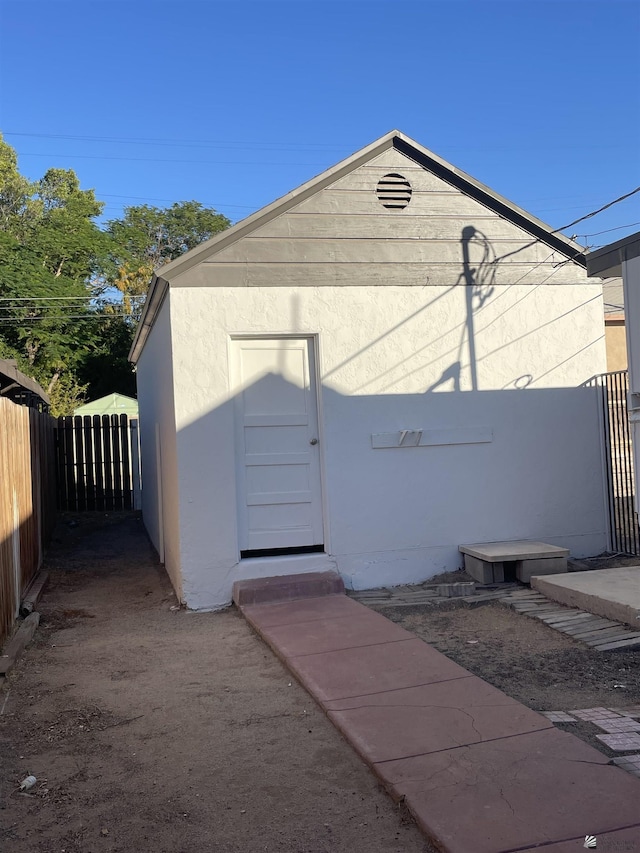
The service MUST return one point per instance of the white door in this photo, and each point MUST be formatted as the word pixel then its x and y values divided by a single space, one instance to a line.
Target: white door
pixel 278 465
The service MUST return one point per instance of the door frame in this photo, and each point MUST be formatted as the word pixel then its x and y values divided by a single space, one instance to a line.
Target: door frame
pixel 313 339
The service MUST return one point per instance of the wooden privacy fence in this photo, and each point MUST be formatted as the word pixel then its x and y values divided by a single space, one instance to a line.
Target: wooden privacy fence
pixel 97 463
pixel 27 501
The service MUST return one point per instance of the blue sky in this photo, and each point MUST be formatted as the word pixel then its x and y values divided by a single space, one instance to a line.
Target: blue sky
pixel 236 103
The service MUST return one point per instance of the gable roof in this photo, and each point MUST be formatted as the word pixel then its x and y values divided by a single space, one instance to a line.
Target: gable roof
pixel 111 404
pixel 394 139
pixel 15 385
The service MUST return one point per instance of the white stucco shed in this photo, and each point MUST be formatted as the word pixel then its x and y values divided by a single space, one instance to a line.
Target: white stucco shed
pixel 378 367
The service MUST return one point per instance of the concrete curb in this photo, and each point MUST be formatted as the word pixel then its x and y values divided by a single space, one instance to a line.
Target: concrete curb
pixel 17 644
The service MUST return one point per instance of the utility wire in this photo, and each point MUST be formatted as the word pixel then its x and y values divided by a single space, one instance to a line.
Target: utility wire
pixel 51 298
pixel 148 198
pixel 599 210
pixel 21 321
pixel 182 142
pixel 608 230
pixel 283 145
pixel 161 160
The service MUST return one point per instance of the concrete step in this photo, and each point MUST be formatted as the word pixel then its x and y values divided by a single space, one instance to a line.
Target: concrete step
pixel 287 588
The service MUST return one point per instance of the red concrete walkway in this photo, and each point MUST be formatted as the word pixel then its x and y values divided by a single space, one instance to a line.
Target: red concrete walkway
pixel 480 772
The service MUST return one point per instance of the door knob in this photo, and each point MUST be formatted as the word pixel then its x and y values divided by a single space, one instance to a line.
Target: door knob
pixel 313 441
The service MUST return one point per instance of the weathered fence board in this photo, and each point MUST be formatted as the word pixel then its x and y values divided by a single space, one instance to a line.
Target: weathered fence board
pixel 27 501
pixel 97 463
pixel 126 463
pixel 97 455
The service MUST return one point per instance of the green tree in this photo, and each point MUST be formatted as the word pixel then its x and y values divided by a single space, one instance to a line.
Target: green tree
pixel 56 270
pixel 147 237
pixel 50 251
pixel 65 235
pixel 67 395
pixel 16 204
pixel 105 368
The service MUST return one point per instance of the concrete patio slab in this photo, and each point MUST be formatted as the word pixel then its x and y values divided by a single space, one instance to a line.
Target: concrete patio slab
pixel 612 593
pixel 372 669
pixel 435 717
pixel 515 793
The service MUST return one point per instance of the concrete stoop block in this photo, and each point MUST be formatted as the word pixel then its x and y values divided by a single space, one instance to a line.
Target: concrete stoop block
pixel 286 588
pixel 497 562
pixel 526 569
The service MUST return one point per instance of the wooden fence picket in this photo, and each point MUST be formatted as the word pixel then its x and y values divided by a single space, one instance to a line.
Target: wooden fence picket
pixel 27 502
pixel 97 464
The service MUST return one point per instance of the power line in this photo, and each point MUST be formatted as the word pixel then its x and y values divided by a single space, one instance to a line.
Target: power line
pixel 21 321
pixel 41 310
pixel 608 230
pixel 149 198
pixel 596 212
pixel 275 145
pixel 204 143
pixel 50 154
pixel 57 298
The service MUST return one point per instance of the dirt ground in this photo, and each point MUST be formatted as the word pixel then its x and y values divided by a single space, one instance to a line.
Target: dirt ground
pixel 540 667
pixel 152 729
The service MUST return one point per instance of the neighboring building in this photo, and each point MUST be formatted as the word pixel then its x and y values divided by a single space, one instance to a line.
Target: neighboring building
pixel 378 367
pixel 112 404
pixel 21 389
pixel 614 326
pixel 622 258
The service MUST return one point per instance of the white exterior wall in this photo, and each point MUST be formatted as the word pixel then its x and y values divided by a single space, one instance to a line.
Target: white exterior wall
pixel 398 515
pixel 159 463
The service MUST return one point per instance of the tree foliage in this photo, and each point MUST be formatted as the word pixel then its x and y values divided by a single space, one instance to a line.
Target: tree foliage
pixel 59 270
pixel 147 237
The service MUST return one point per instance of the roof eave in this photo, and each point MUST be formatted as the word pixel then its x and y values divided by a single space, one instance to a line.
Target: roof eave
pixel 607 261
pixel 9 370
pixel 153 302
pixel 485 195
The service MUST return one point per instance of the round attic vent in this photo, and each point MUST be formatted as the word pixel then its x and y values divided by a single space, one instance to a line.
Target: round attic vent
pixel 394 191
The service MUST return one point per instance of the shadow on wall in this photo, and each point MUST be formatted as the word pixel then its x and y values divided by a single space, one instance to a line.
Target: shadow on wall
pixel 403 479
pixel 478 273
pixel 487 465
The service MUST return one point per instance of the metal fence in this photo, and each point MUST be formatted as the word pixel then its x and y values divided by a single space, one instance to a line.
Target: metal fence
pixel 618 458
pixel 97 463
